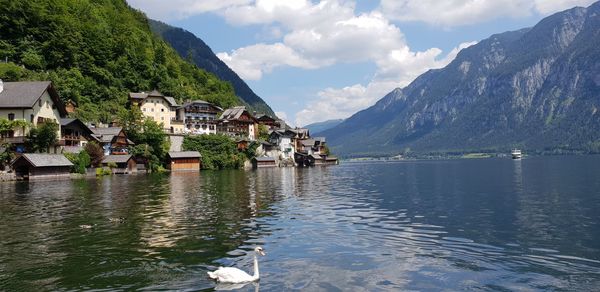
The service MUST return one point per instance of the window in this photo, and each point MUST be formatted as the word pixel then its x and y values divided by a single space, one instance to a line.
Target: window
pixel 11 117
pixel 152 109
pixel 162 109
pixel 31 118
pixel 40 102
pixel 143 109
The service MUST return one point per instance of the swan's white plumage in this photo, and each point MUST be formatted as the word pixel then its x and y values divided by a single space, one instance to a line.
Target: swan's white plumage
pixel 235 275
pixel 231 275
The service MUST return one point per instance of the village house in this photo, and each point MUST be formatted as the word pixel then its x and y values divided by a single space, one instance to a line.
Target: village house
pixel 36 102
pixel 113 140
pixel 161 109
pixel 201 117
pixel 74 133
pixel 31 166
pixel 122 164
pixel 184 161
pixel 237 121
pixel 269 122
pixel 283 140
pixel 262 162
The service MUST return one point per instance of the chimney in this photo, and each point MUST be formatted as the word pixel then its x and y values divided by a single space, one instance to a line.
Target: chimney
pixel 1 86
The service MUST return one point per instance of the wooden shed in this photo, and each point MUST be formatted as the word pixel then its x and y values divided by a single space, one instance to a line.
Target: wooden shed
pixel 184 161
pixel 41 166
pixel 125 164
pixel 260 162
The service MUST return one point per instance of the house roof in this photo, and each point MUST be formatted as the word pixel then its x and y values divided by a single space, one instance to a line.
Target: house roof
pixel 171 101
pixel 116 158
pixel 316 157
pixel 106 134
pixel 185 154
pixel 45 160
pixel 68 121
pixel 25 94
pixel 201 102
pixel 233 113
pixel 320 139
pixel 265 118
pixel 308 142
pixel 155 93
pixel 264 159
pixel 284 133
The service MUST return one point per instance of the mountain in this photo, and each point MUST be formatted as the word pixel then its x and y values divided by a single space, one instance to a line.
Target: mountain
pixel 190 46
pixel 316 128
pixel 95 52
pixel 536 89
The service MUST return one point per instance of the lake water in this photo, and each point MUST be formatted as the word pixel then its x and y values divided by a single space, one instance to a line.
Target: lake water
pixel 492 224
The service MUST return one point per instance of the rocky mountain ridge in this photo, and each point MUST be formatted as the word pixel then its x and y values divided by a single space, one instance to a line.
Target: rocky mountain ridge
pixel 535 88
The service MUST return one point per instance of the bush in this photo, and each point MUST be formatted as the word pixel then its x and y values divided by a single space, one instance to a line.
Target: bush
pixel 218 151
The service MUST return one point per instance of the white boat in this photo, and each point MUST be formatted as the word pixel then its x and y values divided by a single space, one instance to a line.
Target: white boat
pixel 516 154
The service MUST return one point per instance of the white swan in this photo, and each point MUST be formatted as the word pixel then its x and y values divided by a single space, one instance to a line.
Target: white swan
pixel 235 275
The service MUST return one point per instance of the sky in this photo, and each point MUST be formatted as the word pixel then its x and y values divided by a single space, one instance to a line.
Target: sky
pixel 313 61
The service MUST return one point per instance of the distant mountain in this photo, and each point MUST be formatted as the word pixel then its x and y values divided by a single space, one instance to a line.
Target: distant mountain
pixel 536 89
pixel 189 46
pixel 316 128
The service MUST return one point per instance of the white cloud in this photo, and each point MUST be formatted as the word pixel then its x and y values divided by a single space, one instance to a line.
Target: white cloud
pixel 462 12
pixel 178 9
pixel 551 6
pixel 397 70
pixel 252 61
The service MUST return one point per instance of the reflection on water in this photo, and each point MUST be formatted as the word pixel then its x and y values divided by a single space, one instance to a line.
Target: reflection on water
pixel 428 225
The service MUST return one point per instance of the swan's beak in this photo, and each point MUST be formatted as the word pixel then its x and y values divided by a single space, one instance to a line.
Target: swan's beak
pixel 262 253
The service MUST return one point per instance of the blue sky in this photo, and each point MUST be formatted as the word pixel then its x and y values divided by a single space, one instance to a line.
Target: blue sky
pixel 313 61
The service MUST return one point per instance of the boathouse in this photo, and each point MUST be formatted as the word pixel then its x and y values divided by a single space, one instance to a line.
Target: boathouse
pixel 122 164
pixel 260 162
pixel 40 166
pixel 184 161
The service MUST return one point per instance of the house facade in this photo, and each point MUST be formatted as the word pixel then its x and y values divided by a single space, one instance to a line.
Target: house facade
pixel 113 140
pixel 184 161
pixel 35 102
pixel 283 140
pixel 238 122
pixel 74 133
pixel 31 166
pixel 201 117
pixel 161 109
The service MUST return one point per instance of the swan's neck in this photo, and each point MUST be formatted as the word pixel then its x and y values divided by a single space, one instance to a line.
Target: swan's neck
pixel 256 274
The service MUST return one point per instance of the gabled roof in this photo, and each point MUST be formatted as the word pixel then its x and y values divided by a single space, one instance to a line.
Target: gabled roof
pixel 44 160
pixel 25 94
pixel 143 95
pixel 265 159
pixel 185 154
pixel 201 102
pixel 265 118
pixel 283 133
pixel 308 142
pixel 79 123
pixel 106 134
pixel 234 113
pixel 116 158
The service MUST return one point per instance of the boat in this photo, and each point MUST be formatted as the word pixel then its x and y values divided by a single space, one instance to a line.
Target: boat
pixel 516 154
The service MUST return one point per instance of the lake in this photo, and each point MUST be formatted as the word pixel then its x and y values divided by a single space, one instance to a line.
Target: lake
pixel 489 224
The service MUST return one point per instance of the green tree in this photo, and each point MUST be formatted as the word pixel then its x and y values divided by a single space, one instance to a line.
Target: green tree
pixel 7 126
pixel 218 151
pixel 263 132
pixel 42 137
pixel 95 152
